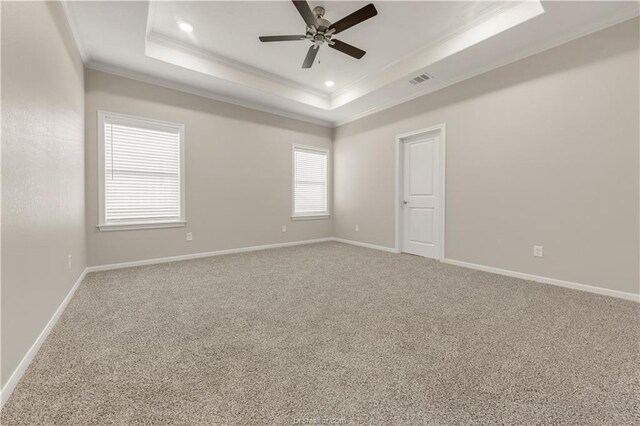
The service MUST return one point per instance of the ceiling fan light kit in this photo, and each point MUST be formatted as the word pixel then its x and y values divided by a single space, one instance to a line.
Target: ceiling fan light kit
pixel 320 31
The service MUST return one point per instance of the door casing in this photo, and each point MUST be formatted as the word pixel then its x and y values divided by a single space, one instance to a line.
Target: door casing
pixel 440 131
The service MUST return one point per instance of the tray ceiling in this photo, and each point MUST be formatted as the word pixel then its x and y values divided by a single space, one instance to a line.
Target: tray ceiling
pixel 222 57
pixel 231 30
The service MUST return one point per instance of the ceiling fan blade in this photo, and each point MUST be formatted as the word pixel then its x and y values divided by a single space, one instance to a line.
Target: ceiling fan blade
pixel 306 13
pixel 282 38
pixel 311 56
pixel 347 48
pixel 369 11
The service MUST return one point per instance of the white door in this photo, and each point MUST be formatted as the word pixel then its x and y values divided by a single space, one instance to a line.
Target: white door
pixel 421 200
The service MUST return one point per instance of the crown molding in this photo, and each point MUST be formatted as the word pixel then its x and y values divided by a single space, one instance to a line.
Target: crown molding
pixel 156 81
pixel 231 63
pixel 482 17
pixel 201 63
pixel 501 20
pixel 437 84
pixel 73 26
pixel 151 11
pixel 167 49
pixel 509 60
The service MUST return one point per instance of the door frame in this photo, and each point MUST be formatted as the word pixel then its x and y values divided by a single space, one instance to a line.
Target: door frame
pixel 439 130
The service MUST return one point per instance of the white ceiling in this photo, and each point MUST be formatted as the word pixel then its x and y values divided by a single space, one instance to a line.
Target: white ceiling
pixel 231 29
pixel 223 59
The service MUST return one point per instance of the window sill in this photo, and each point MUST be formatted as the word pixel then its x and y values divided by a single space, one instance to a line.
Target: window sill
pixel 144 225
pixel 311 217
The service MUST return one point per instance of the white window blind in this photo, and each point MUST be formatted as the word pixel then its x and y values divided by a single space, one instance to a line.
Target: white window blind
pixel 142 173
pixel 310 182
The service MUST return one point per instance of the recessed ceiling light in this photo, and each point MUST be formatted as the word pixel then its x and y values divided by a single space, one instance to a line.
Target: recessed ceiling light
pixel 186 27
pixel 329 83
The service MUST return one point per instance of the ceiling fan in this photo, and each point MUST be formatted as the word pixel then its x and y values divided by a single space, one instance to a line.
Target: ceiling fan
pixel 320 31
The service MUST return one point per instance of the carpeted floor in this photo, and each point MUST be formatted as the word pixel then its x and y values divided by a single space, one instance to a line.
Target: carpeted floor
pixel 331 334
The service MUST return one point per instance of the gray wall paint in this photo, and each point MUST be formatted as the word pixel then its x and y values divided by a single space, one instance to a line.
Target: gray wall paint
pixel 42 171
pixel 543 151
pixel 238 173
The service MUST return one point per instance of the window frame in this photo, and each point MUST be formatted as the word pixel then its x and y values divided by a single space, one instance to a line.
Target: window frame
pixel 148 123
pixel 314 216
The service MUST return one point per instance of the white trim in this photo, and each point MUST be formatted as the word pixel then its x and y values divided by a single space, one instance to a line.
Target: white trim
pixel 158 81
pixel 329 174
pixel 202 255
pixel 142 225
pixel 19 371
pixel 546 280
pixel 464 37
pixel 167 84
pixel 441 130
pixel 198 62
pixel 234 65
pixel 151 11
pixel 366 245
pixel 17 374
pixel 74 31
pixel 311 148
pixel 146 123
pixel 521 54
pixel 484 15
pixel 520 275
pixel 311 217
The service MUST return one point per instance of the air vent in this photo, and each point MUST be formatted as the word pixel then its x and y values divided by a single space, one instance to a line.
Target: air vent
pixel 420 79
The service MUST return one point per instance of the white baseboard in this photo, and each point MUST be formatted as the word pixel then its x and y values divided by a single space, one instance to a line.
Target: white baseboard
pixel 367 245
pixel 546 280
pixel 529 277
pixel 8 388
pixel 33 350
pixel 201 255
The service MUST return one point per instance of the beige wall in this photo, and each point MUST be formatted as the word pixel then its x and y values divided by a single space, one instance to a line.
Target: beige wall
pixel 238 173
pixel 543 151
pixel 42 171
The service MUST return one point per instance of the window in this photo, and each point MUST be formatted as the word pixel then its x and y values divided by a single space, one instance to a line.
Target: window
pixel 309 182
pixel 141 172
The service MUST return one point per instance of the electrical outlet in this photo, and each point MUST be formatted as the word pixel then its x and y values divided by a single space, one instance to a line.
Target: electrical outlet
pixel 189 236
pixel 284 228
pixel 357 228
pixel 537 251
pixel 69 262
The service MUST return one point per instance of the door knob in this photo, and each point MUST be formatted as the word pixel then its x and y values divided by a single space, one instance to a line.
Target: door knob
pixel 405 202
